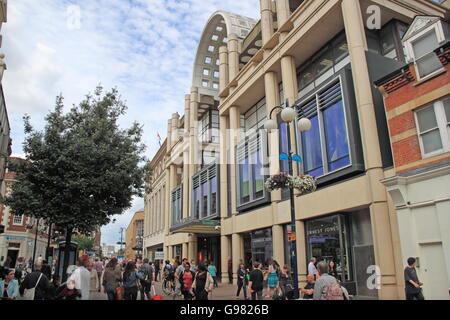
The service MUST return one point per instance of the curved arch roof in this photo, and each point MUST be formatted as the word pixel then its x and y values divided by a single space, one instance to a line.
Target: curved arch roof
pixel 215 34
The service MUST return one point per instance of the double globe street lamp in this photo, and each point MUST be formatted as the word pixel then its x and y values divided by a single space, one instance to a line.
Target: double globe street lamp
pixel 288 115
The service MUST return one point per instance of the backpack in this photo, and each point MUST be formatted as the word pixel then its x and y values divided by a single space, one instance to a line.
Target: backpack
pixel 146 272
pixel 334 291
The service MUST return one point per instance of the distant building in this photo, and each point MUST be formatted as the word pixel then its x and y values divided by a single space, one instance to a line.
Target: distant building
pixel 134 236
pixel 417 103
pixel 20 231
pixel 108 251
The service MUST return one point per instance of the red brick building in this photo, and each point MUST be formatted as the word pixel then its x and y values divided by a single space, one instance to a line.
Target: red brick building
pixel 18 240
pixel 417 105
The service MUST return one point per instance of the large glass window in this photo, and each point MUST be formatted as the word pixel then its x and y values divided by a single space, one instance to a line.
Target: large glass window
pixel 255 117
pixel 251 160
pixel 329 60
pixel 209 126
pixel 325 148
pixel 177 204
pixel 205 193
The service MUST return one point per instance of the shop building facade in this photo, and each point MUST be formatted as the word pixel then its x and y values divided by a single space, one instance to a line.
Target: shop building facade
pixel 134 237
pixel 322 57
pixel 417 103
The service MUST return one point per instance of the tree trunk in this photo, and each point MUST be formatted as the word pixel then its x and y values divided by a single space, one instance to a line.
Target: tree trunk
pixel 67 254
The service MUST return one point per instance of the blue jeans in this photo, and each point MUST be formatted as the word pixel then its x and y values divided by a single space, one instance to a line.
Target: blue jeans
pixel 111 292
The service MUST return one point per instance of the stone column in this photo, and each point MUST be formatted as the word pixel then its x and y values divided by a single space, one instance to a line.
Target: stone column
pixel 184 250
pixel 234 136
pixel 379 211
pixel 169 134
pixel 225 253
pixel 266 20
pixel 175 135
pixel 168 205
pixel 283 12
pixel 278 243
pixel 193 131
pixel 223 132
pixel 272 100
pixel 290 89
pixel 223 68
pixel 237 244
pixel 192 247
pixel 233 56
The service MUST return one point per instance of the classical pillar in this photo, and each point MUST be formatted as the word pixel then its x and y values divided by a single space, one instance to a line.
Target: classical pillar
pixel 223 67
pixel 278 243
pixel 234 136
pixel 225 253
pixel 184 252
pixel 266 20
pixel 192 247
pixel 301 253
pixel 223 132
pixel 233 56
pixel 272 100
pixel 168 205
pixel 379 211
pixel 283 12
pixel 237 254
pixel 193 131
pixel 175 121
pixel 169 134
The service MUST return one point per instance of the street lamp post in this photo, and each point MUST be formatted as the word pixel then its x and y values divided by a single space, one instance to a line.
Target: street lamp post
pixel 288 115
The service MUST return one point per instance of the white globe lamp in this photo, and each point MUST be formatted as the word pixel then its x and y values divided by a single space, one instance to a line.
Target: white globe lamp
pixel 288 114
pixel 270 125
pixel 304 124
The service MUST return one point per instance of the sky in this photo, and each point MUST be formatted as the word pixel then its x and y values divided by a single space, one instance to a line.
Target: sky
pixel 145 48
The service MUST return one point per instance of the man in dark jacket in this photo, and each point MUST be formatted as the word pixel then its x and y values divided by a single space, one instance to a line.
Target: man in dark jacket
pixel 30 281
pixel 148 274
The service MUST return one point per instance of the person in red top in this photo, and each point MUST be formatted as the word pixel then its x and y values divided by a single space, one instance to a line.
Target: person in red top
pixel 186 281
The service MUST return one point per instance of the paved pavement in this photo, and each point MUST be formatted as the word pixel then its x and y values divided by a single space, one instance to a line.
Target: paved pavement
pixel 223 292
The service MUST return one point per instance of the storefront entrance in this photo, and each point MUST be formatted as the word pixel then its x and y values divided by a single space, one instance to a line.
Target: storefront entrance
pixel 346 240
pixel 208 250
pixel 258 247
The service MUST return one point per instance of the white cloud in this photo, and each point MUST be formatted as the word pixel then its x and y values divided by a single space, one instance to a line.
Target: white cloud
pixel 144 47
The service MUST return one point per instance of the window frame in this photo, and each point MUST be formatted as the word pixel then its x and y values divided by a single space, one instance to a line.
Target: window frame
pixel 15 223
pixel 209 177
pixel 260 134
pixel 440 36
pixel 443 125
pixel 320 111
pixel 178 189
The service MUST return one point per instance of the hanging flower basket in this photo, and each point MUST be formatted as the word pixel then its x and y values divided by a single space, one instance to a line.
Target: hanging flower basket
pixel 303 183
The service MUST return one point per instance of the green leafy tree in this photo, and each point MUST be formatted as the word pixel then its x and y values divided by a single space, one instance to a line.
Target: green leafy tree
pixel 84 242
pixel 82 168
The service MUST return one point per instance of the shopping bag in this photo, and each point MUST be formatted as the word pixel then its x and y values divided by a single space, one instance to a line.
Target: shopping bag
pixel 119 293
pixel 154 296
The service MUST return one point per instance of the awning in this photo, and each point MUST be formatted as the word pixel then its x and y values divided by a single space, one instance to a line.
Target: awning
pixel 198 226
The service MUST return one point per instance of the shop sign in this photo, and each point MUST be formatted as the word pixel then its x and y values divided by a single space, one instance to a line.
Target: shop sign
pixel 159 255
pixel 292 237
pixel 15 238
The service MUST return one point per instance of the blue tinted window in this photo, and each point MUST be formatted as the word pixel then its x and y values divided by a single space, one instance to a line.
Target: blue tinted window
pixel 312 150
pixel 284 165
pixel 336 136
pixel 244 181
pixel 258 175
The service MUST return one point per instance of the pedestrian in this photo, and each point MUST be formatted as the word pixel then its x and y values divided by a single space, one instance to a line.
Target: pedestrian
pixel 55 288
pixel 203 283
pixel 9 286
pixel 308 290
pixel 82 278
pixel 130 281
pixel 38 281
pixel 194 268
pixel 272 279
pixel 179 268
pixel 284 279
pixel 148 279
pixel 312 267
pixel 94 282
pixel 242 281
pixel 111 279
pixel 98 266
pixel 186 280
pixel 413 286
pixel 213 271
pixel 332 269
pixel 157 269
pixel 256 282
pixel 46 269
pixel 19 273
pixel 326 286
pixel 230 270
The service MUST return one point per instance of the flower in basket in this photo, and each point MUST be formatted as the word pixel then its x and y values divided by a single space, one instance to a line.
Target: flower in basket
pixel 304 183
pixel 278 181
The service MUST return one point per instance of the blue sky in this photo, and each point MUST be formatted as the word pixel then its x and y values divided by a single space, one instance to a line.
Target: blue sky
pixel 146 48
